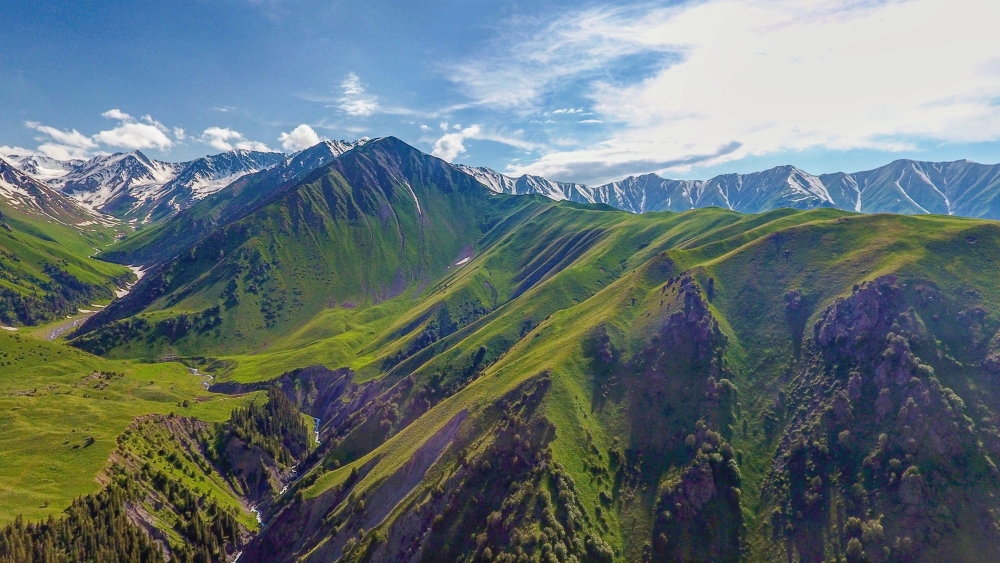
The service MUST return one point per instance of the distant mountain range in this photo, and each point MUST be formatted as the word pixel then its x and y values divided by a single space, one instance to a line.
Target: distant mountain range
pixel 23 195
pixel 140 190
pixel 948 188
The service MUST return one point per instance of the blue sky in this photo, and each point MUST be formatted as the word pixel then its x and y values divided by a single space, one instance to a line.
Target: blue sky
pixel 575 91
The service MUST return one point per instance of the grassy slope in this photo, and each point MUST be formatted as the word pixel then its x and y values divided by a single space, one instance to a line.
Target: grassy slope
pixel 36 240
pixel 339 239
pixel 545 278
pixel 48 407
pixel 828 252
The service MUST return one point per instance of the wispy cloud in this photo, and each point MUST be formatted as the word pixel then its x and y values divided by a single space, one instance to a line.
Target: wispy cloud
pixel 755 77
pixel 6 150
pixel 72 138
pixel 354 100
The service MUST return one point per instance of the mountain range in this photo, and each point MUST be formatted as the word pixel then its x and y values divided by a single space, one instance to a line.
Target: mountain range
pixel 375 355
pixel 141 190
pixel 959 188
pixel 135 188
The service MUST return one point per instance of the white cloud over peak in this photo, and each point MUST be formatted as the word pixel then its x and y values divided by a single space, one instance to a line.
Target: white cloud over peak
pixel 354 100
pixel 63 145
pixel 716 80
pixel 254 146
pixel 6 150
pixel 225 139
pixel 302 137
pixel 450 145
pixel 130 134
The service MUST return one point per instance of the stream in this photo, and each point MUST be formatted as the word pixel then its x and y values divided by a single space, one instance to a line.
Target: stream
pixel 208 377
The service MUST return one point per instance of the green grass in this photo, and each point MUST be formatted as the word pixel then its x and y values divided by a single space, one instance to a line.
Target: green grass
pixel 36 242
pixel 828 253
pixel 49 407
pixel 322 276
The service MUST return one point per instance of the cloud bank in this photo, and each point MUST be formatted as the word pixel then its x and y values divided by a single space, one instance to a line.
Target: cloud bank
pixel 129 134
pixel 752 77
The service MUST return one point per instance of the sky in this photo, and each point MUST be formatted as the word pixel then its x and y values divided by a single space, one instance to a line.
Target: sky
pixel 577 91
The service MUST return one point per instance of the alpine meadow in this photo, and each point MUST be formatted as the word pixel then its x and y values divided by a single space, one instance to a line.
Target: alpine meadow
pixel 625 347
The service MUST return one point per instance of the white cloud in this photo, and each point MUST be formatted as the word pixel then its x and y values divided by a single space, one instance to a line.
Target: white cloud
pixel 590 121
pixel 135 136
pixel 254 146
pixel 6 150
pixel 425 128
pixel 130 133
pixel 225 139
pixel 117 115
pixel 64 152
pixel 450 145
pixel 354 101
pixel 70 138
pixel 302 137
pixel 218 138
pixel 723 79
pixel 149 119
pixel 64 145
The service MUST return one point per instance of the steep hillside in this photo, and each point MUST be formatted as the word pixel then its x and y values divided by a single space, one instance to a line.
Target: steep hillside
pixel 805 385
pixel 378 221
pixel 166 239
pixel 45 243
pixel 510 378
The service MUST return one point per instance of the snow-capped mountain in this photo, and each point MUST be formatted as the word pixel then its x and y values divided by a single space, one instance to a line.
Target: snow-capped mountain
pixel 117 184
pixel 315 156
pixel 26 195
pixel 526 185
pixel 950 188
pixel 43 168
pixel 203 177
pixel 133 187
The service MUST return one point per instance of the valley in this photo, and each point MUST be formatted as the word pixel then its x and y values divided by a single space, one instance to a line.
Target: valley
pixel 361 352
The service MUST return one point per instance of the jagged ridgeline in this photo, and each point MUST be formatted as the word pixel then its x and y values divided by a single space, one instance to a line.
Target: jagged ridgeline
pixel 508 378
